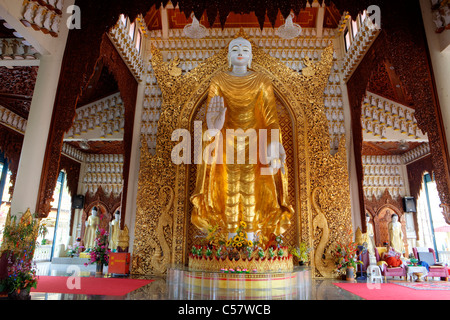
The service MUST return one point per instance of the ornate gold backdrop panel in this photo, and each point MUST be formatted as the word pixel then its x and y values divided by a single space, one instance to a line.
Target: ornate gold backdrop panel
pixel 289 137
pixel 322 192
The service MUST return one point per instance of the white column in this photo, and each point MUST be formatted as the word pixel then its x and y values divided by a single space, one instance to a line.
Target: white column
pixel 133 175
pixel 351 162
pixel 351 159
pixel 27 183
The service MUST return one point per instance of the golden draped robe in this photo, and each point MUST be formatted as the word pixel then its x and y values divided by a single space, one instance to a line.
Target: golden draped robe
pixel 396 237
pixel 227 193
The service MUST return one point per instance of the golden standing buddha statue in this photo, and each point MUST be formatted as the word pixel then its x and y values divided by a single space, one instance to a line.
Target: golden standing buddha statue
pixel 229 192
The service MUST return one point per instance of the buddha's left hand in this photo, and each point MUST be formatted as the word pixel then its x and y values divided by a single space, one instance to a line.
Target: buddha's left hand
pixel 276 156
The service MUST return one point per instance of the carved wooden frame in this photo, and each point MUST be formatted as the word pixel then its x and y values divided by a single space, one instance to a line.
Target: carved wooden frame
pixel 398 47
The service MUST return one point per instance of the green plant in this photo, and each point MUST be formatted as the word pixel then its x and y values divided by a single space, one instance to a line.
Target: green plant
pixel 301 252
pixel 261 253
pixel 271 253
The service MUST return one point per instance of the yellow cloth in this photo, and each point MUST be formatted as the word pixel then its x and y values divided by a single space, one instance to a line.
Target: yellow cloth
pixel 228 193
pixel 381 250
pixel 85 255
pixel 396 237
pixel 115 229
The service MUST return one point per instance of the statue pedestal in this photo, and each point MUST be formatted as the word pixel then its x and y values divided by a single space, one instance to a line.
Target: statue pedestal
pixel 255 265
pixel 188 284
pixel 277 260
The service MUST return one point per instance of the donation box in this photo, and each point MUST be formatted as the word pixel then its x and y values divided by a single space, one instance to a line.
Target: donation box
pixel 119 263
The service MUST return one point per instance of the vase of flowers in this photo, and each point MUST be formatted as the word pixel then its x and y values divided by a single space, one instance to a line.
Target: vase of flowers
pixel 346 259
pixel 100 253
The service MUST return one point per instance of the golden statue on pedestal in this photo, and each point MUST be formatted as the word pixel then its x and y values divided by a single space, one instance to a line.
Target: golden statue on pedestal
pixel 224 194
pixel 253 188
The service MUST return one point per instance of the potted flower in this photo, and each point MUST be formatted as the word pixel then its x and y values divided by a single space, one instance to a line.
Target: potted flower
pixel 100 253
pixel 44 232
pixel 18 272
pixel 346 259
pixel 21 277
pixel 301 252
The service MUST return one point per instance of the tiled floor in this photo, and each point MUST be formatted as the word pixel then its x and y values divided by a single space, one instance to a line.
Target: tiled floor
pixel 163 289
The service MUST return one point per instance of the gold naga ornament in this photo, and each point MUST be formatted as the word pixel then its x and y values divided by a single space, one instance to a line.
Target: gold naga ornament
pixel 163 228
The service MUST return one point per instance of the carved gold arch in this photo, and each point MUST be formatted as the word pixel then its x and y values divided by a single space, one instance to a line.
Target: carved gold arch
pixel 323 199
pixel 293 132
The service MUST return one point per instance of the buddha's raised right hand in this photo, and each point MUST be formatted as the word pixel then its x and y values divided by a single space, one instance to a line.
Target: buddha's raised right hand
pixel 215 116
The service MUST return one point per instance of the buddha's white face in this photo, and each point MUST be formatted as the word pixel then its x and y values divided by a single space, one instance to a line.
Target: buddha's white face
pixel 240 52
pixel 395 219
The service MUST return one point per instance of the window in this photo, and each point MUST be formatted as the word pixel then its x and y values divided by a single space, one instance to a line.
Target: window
pixel 58 221
pixel 433 230
pixel 5 198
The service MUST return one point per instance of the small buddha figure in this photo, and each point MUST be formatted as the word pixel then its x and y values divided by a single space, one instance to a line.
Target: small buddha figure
pixel 370 236
pixel 92 224
pixel 396 234
pixel 227 192
pixel 114 227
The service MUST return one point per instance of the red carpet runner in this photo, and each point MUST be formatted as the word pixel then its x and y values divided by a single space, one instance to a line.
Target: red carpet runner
pixel 390 291
pixel 88 285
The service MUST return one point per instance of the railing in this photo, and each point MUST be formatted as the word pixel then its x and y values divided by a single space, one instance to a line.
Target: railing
pixel 444 256
pixel 16 49
pixel 42 253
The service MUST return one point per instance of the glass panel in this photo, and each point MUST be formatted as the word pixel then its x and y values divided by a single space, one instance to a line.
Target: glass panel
pixel 6 197
pixel 441 228
pixel 62 229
